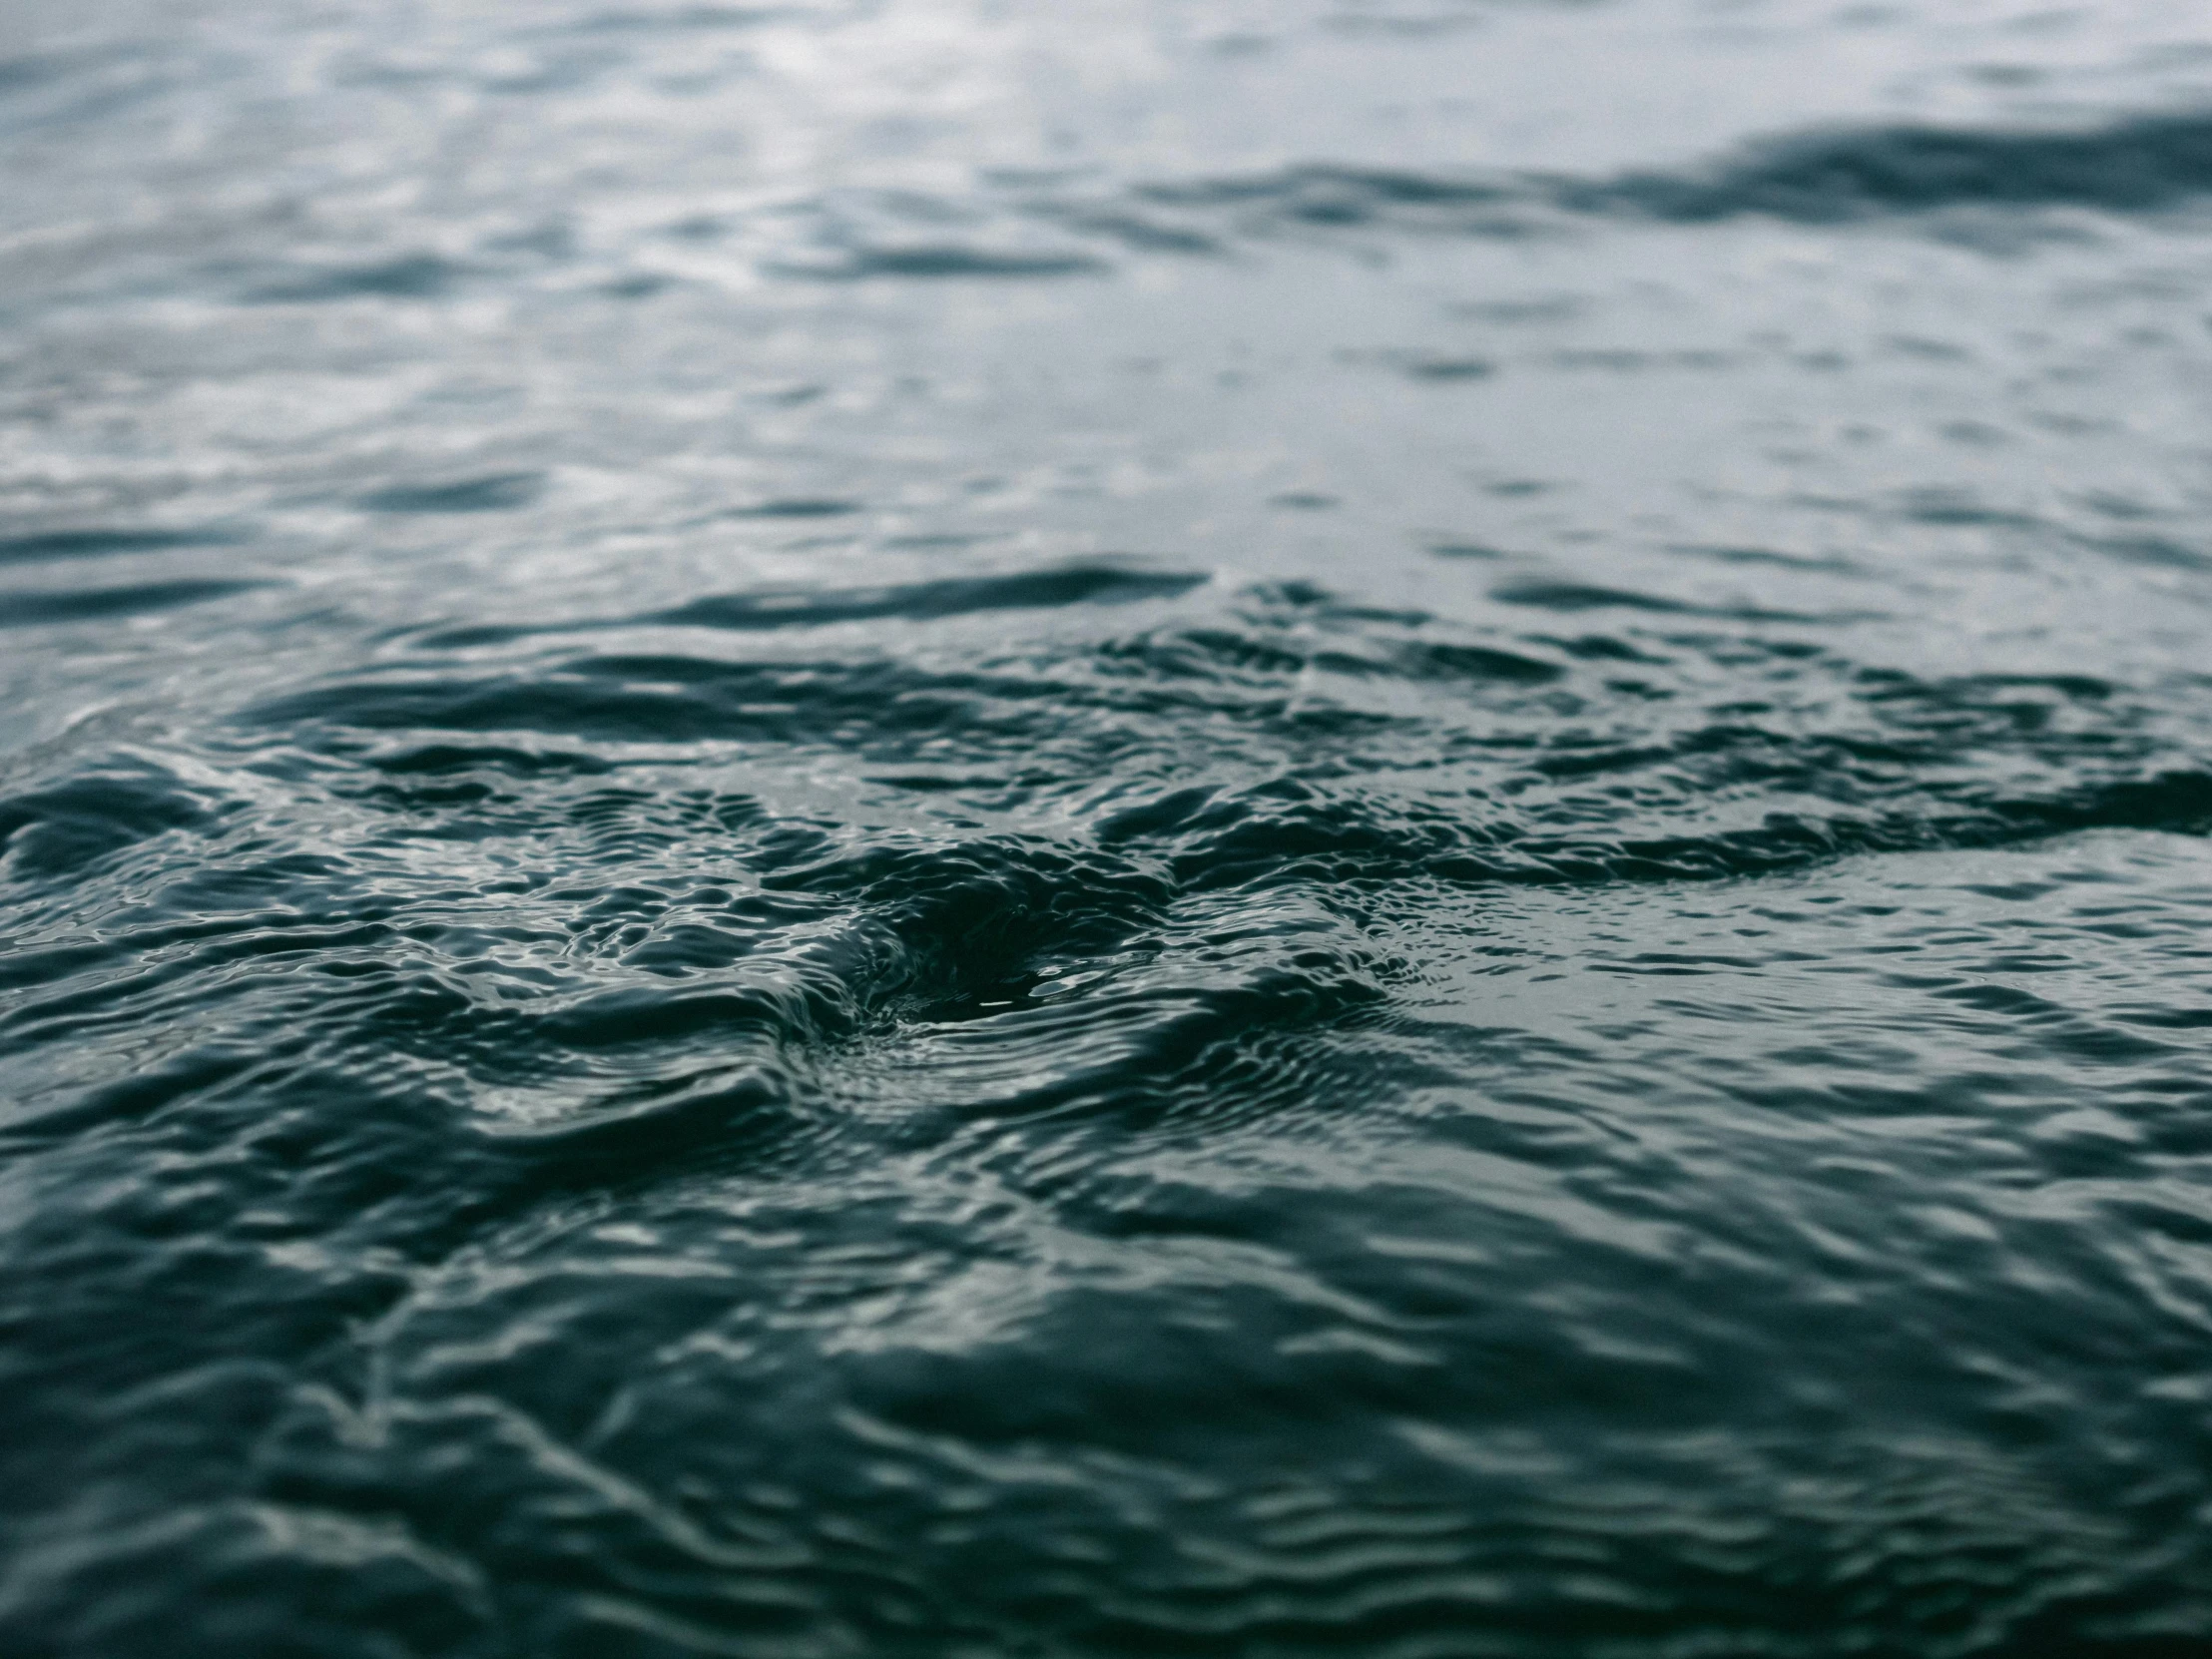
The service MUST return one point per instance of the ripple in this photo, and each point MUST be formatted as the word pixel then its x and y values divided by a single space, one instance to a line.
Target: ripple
pixel 851 830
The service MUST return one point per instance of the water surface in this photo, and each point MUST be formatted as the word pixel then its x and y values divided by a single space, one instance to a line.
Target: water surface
pixel 947 828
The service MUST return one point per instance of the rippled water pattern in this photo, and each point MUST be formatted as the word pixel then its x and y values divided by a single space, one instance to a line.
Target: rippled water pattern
pixel 970 827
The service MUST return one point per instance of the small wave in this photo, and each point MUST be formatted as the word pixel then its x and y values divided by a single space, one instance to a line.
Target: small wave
pixel 20 608
pixel 2157 552
pixel 797 506
pixel 1139 233
pixel 494 493
pixel 43 545
pixel 1583 595
pixel 64 827
pixel 2132 166
pixel 2137 165
pixel 679 19
pixel 941 262
pixel 766 609
pixel 407 277
pixel 922 601
pixel 443 759
pixel 1320 197
pixel 671 699
pixel 1451 369
pixel 1327 194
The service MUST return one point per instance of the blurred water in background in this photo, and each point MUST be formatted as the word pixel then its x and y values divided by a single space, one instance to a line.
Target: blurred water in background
pixel 935 828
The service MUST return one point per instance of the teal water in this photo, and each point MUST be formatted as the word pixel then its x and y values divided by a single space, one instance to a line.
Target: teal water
pixel 950 828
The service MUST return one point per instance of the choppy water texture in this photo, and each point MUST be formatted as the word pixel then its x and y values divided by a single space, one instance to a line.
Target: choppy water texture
pixel 925 828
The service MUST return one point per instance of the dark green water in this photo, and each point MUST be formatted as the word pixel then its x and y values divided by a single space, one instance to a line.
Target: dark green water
pixel 934 829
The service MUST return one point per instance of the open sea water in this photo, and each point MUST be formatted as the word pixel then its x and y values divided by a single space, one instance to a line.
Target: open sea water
pixel 1057 828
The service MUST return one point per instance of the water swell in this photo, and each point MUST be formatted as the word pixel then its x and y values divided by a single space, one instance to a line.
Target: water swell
pixel 710 995
pixel 1298 686
pixel 2142 164
pixel 38 547
pixel 1009 228
pixel 43 608
pixel 1006 230
pixel 541 1073
pixel 718 998
pixel 2137 165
